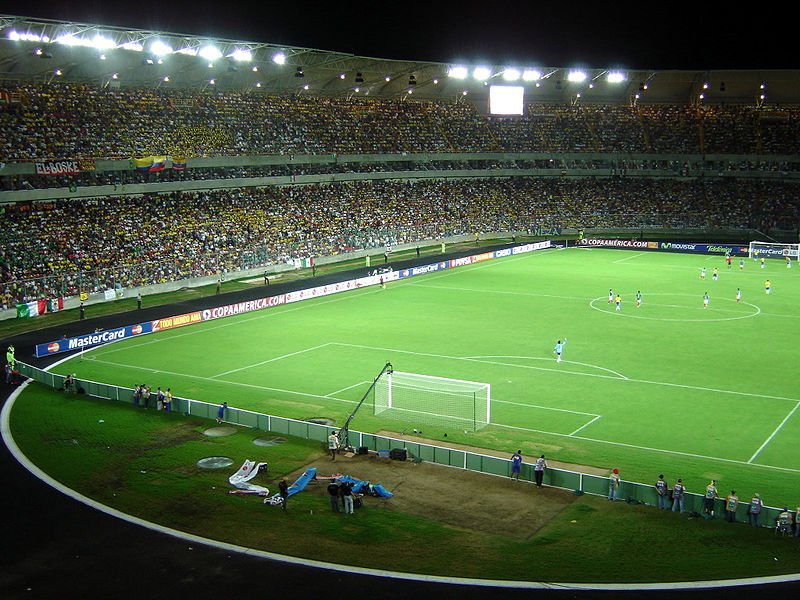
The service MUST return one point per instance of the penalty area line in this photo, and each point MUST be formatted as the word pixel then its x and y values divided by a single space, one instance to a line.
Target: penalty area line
pixel 774 433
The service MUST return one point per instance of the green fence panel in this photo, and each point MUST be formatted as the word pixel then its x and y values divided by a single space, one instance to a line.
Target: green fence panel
pixel 279 425
pixel 563 479
pixel 593 484
pixel 590 484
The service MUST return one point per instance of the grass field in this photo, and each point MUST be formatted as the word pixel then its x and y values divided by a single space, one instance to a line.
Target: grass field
pixel 670 387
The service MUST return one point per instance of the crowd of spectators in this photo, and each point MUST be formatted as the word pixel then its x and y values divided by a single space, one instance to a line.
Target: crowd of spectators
pixel 67 121
pixel 59 248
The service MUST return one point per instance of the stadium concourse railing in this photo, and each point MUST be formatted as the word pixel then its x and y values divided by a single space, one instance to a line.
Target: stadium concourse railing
pixel 631 492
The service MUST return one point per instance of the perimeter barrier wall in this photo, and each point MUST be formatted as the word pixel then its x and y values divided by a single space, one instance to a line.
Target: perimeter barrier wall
pixel 630 491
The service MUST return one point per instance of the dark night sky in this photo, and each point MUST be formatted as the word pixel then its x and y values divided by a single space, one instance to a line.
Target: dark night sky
pixel 677 35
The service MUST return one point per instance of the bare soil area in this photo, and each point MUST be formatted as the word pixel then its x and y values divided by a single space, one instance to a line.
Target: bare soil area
pixel 456 497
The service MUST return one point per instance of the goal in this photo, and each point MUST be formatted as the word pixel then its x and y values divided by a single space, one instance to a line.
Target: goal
pixel 774 250
pixel 428 400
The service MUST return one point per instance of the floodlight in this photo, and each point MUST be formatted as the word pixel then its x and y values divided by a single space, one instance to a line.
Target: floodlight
pixel 102 57
pixel 511 74
pixel 102 43
pixel 241 55
pixel 615 77
pixel 132 46
pixel 306 86
pixel 165 78
pixel 160 48
pixel 279 58
pixel 59 72
pixel 387 79
pixel 482 73
pixel 435 81
pixel 254 69
pixel 576 76
pixel 342 76
pixel 210 53
pixel 531 75
pixel 115 76
pixel 258 84
pixel 25 37
pixel 187 51
pixel 356 90
pixel 457 72
pixel 212 81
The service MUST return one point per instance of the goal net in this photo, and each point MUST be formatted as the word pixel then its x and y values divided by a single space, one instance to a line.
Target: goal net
pixel 428 400
pixel 774 250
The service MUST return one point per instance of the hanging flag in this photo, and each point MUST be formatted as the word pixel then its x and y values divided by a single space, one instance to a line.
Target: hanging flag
pixel 150 163
pixel 55 304
pixel 31 309
pixel 178 163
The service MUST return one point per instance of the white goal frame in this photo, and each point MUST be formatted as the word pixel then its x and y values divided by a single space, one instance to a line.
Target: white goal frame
pixel 757 249
pixel 472 399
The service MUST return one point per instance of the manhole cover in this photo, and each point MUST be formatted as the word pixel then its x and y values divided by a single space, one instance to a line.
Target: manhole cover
pixel 269 441
pixel 215 462
pixel 219 431
pixel 321 421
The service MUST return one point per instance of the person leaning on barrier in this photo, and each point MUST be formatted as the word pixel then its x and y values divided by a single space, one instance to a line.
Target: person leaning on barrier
pixel 755 510
pixel 731 504
pixel 783 524
pixel 662 489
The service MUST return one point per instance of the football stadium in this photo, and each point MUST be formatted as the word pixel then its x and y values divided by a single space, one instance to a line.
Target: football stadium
pixel 454 324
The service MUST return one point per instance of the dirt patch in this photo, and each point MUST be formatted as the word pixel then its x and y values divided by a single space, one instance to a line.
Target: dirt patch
pixel 173 435
pixel 456 497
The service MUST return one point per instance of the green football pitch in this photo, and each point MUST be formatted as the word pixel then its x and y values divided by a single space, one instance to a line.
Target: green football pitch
pixel 669 387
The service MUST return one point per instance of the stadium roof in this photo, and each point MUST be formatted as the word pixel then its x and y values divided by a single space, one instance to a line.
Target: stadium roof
pixel 46 50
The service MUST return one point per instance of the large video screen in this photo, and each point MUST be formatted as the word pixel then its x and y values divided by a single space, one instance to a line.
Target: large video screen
pixel 506 99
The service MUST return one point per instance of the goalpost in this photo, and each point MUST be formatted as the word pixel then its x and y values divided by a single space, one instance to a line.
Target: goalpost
pixel 429 400
pixel 773 250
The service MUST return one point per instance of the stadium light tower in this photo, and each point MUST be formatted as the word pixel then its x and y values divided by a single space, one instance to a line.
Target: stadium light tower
pixel 160 48
pixel 209 53
pixel 241 55
pixel 457 72
pixel 531 75
pixel 279 58
pixel 482 73
pixel 576 76
pixel 615 77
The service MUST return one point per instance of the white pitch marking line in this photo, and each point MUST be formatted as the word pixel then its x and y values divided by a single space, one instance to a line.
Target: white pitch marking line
pixel 572 362
pixel 607 442
pixel 628 257
pixel 664 383
pixel 226 382
pixel 774 433
pixel 649 449
pixel 584 426
pixel 349 387
pixel 566 410
pixel 264 362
